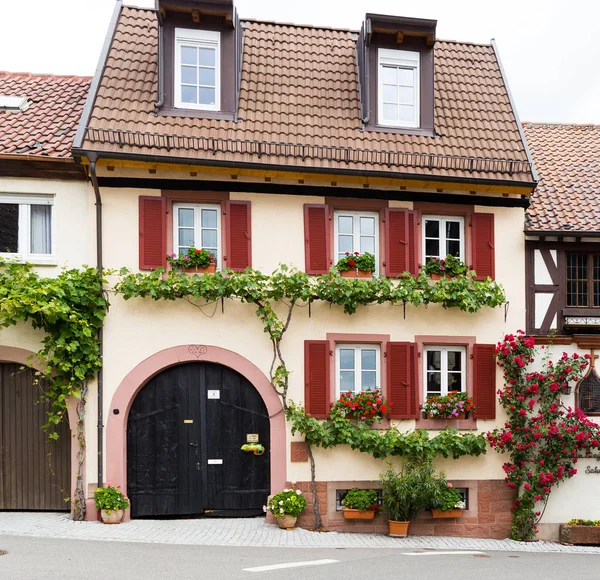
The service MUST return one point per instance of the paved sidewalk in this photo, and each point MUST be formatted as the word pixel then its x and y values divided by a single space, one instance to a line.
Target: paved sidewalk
pixel 246 532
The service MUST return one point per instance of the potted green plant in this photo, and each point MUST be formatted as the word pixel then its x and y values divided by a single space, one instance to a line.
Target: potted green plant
pixel 454 405
pixel 111 502
pixel 450 266
pixel 449 503
pixel 407 492
pixel 196 260
pixel 356 265
pixel 286 506
pixel 360 504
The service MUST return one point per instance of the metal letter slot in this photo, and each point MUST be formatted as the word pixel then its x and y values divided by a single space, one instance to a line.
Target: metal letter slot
pixel 213 394
pixel 215 462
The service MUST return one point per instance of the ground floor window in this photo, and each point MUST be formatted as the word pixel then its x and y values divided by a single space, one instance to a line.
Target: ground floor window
pixel 444 369
pixel 357 368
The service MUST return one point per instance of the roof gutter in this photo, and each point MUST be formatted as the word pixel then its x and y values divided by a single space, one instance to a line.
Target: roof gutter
pixel 514 110
pixel 93 92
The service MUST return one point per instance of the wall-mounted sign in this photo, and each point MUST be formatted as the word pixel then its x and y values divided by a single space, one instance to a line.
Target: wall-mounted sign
pixel 215 462
pixel 213 394
pixel 251 437
pixel 589 469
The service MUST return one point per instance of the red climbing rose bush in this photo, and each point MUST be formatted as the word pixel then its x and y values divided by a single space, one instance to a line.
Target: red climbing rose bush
pixel 542 437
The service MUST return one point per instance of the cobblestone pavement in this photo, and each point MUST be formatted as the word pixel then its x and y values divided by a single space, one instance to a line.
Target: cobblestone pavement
pixel 246 532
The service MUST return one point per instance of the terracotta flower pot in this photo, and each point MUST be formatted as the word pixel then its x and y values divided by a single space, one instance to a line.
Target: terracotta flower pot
pixel 352 514
pixel 111 516
pixel 435 276
pixel 356 273
pixel 286 522
pixel 459 416
pixel 210 269
pixel 454 513
pixel 398 529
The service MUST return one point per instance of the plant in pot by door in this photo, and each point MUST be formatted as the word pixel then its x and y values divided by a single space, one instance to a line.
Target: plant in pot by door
pixel 450 266
pixel 200 261
pixel 356 265
pixel 407 492
pixel 111 502
pixel 454 405
pixel 286 506
pixel 449 504
pixel 360 504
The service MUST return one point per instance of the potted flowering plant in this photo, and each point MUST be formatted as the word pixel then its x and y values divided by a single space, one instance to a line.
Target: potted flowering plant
pixel 450 266
pixel 369 406
pixel 195 260
pixel 449 503
pixel 356 265
pixel 360 504
pixel 583 532
pixel 286 506
pixel 111 502
pixel 454 405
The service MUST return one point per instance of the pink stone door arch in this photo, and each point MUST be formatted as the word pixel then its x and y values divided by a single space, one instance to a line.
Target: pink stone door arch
pixel 116 427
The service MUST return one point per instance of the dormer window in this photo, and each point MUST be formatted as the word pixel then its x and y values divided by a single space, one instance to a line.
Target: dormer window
pixel 398 75
pixel 197 69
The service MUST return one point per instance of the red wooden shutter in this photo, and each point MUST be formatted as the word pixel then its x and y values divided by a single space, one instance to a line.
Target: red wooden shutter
pixel 402 373
pixel 484 388
pixel 316 238
pixel 316 378
pixel 239 238
pixel 400 242
pixel 482 234
pixel 153 232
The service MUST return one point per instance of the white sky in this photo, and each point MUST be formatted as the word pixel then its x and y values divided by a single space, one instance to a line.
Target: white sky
pixel 550 49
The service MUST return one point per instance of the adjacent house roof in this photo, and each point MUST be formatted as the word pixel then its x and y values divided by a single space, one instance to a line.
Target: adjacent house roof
pixel 567 158
pixel 47 126
pixel 300 108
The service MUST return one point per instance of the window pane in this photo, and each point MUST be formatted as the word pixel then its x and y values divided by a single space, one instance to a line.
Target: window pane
pixel 346 358
pixel 345 244
pixel 406 113
pixel 432 229
pixel 368 381
pixel 209 238
pixel 207 56
pixel 432 248
pixel 434 383
pixel 389 75
pixel 454 382
pixel 189 55
pixel 186 237
pixel 596 280
pixel 189 94
pixel 9 228
pixel 368 359
pixel 186 217
pixel 347 381
pixel 189 75
pixel 406 77
pixel 207 96
pixel 209 218
pixel 454 360
pixel 207 76
pixel 41 229
pixel 390 93
pixel 407 95
pixel 434 360
pixel 367 244
pixel 367 226
pixel 453 247
pixel 453 230
pixel 345 224
pixel 390 112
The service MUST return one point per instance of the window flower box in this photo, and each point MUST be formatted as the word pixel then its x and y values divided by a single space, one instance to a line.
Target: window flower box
pixel 210 269
pixel 356 265
pixel 195 261
pixel 458 417
pixel 352 514
pixel 360 504
pixel 454 405
pixel 450 266
pixel 452 513
pixel 356 273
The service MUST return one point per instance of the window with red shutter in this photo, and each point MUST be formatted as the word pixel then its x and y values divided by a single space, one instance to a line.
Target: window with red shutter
pixel 239 235
pixel 484 388
pixel 153 232
pixel 400 242
pixel 482 236
pixel 402 382
pixel 316 234
pixel 316 378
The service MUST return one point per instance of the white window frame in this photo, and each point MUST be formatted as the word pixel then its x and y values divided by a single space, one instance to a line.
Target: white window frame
pixel 197 226
pixel 356 233
pixel 197 38
pixel 357 365
pixel 442 237
pixel 405 59
pixel 444 367
pixel 25 201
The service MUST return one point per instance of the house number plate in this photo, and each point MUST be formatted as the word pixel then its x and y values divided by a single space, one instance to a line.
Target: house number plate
pixel 251 437
pixel 215 462
pixel 213 394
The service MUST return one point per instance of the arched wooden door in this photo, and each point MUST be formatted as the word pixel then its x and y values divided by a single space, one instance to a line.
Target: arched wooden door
pixel 184 433
pixel 34 472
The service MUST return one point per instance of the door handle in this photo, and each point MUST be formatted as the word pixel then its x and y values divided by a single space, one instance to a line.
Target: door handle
pixel 194 444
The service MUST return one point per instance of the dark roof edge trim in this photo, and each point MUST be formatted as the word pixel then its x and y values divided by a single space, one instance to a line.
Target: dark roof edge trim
pixel 95 155
pixel 514 110
pixel 564 233
pixel 93 91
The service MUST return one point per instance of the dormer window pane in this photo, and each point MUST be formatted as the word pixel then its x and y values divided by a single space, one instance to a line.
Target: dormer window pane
pixel 207 57
pixel 207 96
pixel 189 55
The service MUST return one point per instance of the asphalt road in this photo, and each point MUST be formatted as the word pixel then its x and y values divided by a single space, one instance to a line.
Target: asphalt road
pixel 49 559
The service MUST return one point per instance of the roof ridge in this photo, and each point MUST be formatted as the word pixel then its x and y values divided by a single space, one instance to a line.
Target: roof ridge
pixel 564 125
pixel 43 75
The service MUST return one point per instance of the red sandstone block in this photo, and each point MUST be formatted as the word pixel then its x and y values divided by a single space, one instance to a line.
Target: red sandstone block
pixel 298 452
pixel 447 529
pixel 486 518
pixel 480 531
pixel 484 486
pixel 484 508
pixel 501 506
pixel 465 520
pixel 484 496
pixel 503 517
pixel 420 529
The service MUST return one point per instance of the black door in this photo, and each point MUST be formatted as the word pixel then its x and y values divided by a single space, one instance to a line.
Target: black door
pixel 184 434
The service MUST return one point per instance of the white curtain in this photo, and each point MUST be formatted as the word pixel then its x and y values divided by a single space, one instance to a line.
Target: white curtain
pixel 41 225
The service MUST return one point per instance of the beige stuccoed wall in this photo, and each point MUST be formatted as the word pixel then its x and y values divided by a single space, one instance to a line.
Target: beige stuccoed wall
pixel 139 328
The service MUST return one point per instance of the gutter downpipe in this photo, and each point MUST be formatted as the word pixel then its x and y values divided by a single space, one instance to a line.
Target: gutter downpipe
pixel 94 180
pixel 161 89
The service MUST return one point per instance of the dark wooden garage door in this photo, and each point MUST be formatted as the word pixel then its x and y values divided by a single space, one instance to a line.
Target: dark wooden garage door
pixel 184 434
pixel 34 473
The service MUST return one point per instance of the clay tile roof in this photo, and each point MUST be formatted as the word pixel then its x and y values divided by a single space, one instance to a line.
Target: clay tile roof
pixel 299 106
pixel 47 127
pixel 567 159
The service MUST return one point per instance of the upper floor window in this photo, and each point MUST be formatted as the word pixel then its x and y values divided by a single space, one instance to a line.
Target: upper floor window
pixel 398 88
pixel 583 279
pixel 197 69
pixel 443 236
pixel 197 226
pixel 357 367
pixel 356 232
pixel 444 369
pixel 26 227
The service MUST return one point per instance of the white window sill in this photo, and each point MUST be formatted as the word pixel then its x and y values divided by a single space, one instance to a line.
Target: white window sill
pixel 34 261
